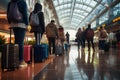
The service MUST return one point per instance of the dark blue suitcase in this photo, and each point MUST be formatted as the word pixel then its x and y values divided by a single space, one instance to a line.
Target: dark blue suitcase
pixel 40 52
pixel 46 50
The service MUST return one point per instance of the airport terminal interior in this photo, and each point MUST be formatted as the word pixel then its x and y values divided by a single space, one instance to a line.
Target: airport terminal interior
pixel 74 63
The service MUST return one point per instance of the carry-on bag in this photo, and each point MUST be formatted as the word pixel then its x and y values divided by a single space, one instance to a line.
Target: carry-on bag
pixel 27 53
pixel 45 46
pixel 10 56
pixel 58 47
pixel 39 52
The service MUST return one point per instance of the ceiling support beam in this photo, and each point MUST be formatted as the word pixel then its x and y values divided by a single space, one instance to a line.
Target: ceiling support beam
pixel 72 10
pixel 111 5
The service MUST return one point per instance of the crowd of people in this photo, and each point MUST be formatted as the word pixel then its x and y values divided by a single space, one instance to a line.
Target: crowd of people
pixel 105 39
pixel 51 30
pixel 19 22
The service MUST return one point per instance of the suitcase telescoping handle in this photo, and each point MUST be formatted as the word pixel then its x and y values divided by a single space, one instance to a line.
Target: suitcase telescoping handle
pixel 10 34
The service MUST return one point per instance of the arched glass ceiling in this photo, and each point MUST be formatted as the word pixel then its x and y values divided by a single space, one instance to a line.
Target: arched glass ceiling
pixel 77 13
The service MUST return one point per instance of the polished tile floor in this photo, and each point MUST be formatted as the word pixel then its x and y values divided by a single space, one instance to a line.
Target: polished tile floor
pixel 73 65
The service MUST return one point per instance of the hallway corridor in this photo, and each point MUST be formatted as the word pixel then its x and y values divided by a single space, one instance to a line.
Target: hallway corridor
pixel 83 65
pixel 73 65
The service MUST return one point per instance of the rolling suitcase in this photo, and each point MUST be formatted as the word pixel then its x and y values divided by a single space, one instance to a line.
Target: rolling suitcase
pixel 39 53
pixel 46 50
pixel 58 47
pixel 58 50
pixel 10 56
pixel 27 53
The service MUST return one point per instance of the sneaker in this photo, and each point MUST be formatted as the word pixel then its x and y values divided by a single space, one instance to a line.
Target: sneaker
pixel 23 64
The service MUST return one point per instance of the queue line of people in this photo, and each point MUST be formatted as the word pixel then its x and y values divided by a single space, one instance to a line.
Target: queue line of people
pixel 85 34
pixel 19 29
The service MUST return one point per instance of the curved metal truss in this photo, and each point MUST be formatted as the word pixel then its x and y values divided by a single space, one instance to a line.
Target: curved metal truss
pixel 77 12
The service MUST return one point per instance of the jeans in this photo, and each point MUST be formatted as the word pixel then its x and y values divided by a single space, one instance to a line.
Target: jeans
pixel 37 38
pixel 19 34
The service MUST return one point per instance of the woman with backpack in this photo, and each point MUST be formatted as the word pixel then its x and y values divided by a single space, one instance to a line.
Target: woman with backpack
pixel 18 24
pixel 37 25
pixel 102 39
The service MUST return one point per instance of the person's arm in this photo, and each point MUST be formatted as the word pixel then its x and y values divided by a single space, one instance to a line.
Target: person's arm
pixel 7 13
pixel 42 22
pixel 24 10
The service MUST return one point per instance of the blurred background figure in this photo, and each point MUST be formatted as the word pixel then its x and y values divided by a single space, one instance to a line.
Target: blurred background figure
pixel 52 34
pixel 67 37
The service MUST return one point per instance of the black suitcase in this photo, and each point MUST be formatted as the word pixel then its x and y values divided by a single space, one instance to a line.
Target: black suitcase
pixel 10 56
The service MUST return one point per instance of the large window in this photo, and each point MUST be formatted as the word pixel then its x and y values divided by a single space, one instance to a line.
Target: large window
pixel 116 9
pixel 93 24
pixel 103 18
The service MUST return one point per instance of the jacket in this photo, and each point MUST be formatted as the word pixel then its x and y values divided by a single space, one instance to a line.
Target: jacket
pixel 51 30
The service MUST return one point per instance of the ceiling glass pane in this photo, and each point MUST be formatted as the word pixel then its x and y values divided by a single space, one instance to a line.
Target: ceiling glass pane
pixel 77 12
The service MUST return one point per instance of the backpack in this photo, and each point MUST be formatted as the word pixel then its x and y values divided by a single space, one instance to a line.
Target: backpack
pixel 79 34
pixel 90 33
pixel 103 34
pixel 15 16
pixel 34 19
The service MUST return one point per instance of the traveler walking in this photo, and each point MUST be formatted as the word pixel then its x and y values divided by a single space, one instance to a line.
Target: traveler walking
pixel 67 37
pixel 89 36
pixel 78 36
pixel 52 34
pixel 18 24
pixel 102 38
pixel 37 25
pixel 83 38
pixel 61 34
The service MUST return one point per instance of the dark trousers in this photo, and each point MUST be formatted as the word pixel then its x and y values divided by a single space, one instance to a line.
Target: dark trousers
pixel 79 43
pixel 67 40
pixel 83 43
pixel 101 44
pixel 37 37
pixel 90 42
pixel 51 44
pixel 19 34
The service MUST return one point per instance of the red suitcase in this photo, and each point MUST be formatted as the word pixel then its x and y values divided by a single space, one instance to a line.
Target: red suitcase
pixel 27 50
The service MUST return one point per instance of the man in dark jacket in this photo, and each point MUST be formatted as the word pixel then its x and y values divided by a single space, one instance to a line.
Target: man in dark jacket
pixel 19 28
pixel 38 30
pixel 89 36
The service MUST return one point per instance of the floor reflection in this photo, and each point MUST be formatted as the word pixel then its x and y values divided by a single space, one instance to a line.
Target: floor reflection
pixel 83 65
pixel 73 65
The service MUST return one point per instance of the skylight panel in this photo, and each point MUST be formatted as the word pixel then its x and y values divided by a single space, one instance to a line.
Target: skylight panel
pixel 55 2
pixel 61 1
pixel 89 9
pixel 93 3
pixel 79 5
